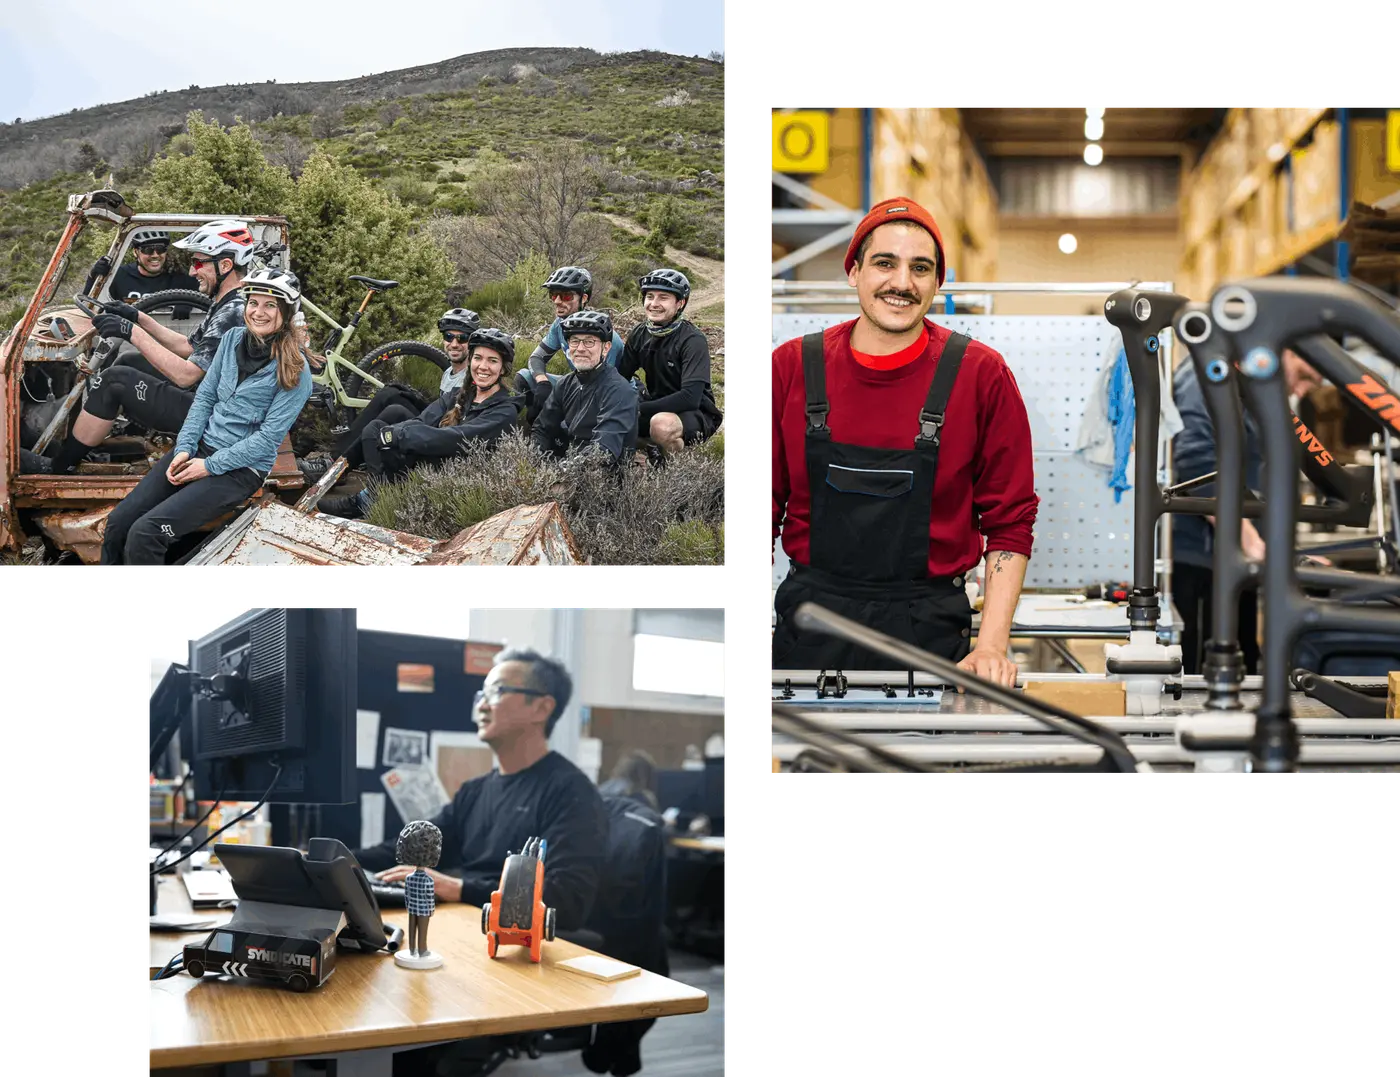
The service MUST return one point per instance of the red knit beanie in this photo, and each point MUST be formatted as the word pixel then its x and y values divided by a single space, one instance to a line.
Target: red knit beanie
pixel 898 209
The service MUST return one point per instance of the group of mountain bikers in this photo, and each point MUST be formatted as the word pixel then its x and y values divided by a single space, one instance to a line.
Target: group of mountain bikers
pixel 232 389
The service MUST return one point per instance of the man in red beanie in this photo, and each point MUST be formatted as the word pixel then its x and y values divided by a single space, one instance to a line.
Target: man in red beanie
pixel 901 450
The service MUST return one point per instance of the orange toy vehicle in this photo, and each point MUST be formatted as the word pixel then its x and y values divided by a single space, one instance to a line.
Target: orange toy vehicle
pixel 516 915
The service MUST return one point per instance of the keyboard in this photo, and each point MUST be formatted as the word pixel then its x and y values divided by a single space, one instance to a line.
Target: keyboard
pixel 389 895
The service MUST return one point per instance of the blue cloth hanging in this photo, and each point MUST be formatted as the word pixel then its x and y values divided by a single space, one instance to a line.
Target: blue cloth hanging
pixel 1121 413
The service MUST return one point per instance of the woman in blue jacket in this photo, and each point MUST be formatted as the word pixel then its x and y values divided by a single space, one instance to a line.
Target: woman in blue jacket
pixel 254 390
pixel 479 412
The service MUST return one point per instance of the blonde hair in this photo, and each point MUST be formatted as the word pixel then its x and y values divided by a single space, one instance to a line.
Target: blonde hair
pixel 284 347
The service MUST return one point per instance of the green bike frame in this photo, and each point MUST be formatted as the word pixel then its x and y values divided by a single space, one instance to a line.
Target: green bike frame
pixel 330 373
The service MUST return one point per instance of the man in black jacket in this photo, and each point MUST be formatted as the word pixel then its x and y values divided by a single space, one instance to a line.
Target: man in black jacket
pixel 678 407
pixel 533 792
pixel 594 405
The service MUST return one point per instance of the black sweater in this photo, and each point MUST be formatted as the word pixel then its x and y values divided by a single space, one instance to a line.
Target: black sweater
pixel 486 422
pixel 491 816
pixel 677 369
pixel 128 280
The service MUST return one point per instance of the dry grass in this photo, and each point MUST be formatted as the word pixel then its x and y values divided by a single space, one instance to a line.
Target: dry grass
pixel 633 516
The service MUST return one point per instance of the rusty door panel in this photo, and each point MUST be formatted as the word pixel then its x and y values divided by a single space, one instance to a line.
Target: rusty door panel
pixel 524 535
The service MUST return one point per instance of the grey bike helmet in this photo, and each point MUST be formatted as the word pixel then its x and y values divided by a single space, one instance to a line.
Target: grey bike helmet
pixel 281 283
pixel 500 342
pixel 570 279
pixel 666 280
pixel 146 236
pixel 591 322
pixel 461 320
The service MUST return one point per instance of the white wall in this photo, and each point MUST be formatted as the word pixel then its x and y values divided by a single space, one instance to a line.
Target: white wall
pixel 606 667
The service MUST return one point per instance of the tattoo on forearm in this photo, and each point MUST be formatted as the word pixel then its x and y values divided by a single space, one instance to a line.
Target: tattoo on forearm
pixel 1002 558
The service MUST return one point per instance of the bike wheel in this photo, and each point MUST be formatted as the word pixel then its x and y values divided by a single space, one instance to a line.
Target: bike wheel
pixel 389 362
pixel 171 298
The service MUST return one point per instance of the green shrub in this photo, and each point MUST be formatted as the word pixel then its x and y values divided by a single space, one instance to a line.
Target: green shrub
pixel 517 303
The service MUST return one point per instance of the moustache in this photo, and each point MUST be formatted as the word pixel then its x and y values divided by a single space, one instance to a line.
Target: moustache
pixel 910 296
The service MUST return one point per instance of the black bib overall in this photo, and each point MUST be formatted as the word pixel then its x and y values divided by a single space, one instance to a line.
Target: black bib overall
pixel 869 544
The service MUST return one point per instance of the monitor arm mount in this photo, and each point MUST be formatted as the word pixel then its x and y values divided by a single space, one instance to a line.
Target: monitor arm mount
pixel 174 697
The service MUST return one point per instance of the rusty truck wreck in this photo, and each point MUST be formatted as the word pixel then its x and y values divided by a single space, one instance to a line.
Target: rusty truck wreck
pixel 46 363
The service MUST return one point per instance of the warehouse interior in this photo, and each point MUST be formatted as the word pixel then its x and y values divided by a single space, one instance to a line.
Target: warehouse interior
pixel 1075 240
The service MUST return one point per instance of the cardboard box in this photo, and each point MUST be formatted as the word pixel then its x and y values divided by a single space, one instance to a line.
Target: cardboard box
pixel 1371 179
pixel 1088 699
pixel 1392 696
pixel 1237 249
pixel 1317 179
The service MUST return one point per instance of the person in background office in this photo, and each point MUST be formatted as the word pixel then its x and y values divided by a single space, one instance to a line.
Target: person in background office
pixel 634 777
pixel 532 791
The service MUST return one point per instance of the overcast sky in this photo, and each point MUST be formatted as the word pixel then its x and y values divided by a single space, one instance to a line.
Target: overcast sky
pixel 65 54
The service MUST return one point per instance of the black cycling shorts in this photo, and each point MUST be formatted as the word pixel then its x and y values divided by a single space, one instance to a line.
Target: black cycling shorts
pixel 144 398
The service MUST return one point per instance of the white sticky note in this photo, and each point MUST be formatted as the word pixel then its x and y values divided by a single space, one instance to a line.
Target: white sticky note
pixel 371 819
pixel 366 738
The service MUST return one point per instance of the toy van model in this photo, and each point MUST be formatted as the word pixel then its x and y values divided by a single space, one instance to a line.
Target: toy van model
pixel 300 961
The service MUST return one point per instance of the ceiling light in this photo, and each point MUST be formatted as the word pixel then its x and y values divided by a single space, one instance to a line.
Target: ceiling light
pixel 1097 113
pixel 1093 128
pixel 1068 244
pixel 1093 154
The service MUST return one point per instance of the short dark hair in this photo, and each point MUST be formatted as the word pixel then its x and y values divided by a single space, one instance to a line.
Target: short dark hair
pixel 865 243
pixel 546 675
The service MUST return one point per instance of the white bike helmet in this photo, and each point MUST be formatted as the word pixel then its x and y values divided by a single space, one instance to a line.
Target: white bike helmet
pixel 281 283
pixel 221 239
pixel 144 236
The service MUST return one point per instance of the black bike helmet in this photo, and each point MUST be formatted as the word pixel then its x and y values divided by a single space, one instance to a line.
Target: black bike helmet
pixel 666 280
pixel 499 341
pixel 570 279
pixel 460 319
pixel 591 322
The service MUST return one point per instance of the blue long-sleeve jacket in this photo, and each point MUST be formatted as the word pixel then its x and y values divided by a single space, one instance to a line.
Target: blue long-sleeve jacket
pixel 245 423
pixel 1193 454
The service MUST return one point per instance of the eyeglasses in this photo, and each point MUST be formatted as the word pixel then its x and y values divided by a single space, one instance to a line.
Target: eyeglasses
pixel 456 338
pixel 492 696
pixel 154 248
pixel 584 341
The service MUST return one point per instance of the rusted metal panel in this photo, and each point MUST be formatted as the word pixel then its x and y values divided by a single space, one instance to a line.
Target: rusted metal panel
pixel 79 531
pixel 36 491
pixel 312 497
pixel 524 535
pixel 272 533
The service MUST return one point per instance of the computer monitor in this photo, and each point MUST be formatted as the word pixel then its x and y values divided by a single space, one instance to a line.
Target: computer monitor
pixel 714 794
pixel 276 688
pixel 683 790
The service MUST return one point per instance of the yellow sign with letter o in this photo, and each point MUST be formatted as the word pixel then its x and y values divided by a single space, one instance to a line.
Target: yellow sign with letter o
pixel 1392 140
pixel 801 141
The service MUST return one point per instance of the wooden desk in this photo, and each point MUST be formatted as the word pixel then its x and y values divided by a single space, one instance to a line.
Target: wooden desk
pixel 370 1002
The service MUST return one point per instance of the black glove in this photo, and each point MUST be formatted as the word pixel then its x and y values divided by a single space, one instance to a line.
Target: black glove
pixel 122 310
pixel 110 325
pixel 100 268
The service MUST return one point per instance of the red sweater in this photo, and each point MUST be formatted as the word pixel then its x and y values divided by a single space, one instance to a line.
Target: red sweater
pixel 985 486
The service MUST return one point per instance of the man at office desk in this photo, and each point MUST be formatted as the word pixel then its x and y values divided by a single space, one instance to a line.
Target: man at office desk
pixel 534 791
